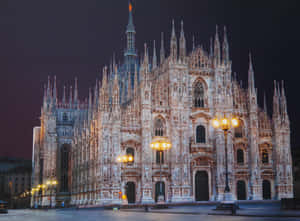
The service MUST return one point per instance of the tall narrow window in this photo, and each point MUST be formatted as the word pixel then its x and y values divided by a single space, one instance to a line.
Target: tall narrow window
pixel 199 95
pixel 265 156
pixel 200 134
pixel 158 127
pixel 158 157
pixel 240 156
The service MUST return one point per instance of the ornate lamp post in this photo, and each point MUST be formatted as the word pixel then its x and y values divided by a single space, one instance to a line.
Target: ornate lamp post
pixel 160 144
pixel 225 124
pixel 52 184
pixel 124 159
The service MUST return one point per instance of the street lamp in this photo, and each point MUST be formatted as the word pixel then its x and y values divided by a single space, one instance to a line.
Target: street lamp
pixel 124 159
pixel 225 124
pixel 160 144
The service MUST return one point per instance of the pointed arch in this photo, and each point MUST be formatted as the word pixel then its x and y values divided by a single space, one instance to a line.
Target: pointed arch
pixel 159 127
pixel 199 93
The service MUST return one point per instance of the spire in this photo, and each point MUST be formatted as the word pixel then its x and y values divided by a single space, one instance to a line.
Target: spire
pixel 146 57
pixel 90 98
pixel 116 98
pixel 154 61
pixel 251 76
pixel 48 88
pixel 76 92
pixel 265 103
pixel 104 78
pixel 103 94
pixel 45 96
pixel 162 49
pixel 54 91
pixel 283 103
pixel 45 92
pixel 217 50
pixel 193 42
pixel 71 96
pixel 275 102
pixel 211 52
pixel 64 95
pixel 173 43
pixel 114 59
pixel 130 26
pixel 225 53
pixel 96 95
pixel 90 105
pixel 130 52
pixel 182 44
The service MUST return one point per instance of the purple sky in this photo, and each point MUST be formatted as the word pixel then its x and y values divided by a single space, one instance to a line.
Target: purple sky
pixel 76 38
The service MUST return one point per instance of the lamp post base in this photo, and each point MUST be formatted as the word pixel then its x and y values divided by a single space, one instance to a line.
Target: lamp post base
pixel 227 196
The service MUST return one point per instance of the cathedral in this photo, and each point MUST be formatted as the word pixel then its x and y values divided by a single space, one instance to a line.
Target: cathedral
pixel 175 96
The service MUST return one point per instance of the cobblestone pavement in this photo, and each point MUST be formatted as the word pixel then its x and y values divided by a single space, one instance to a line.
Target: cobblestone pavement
pixel 109 215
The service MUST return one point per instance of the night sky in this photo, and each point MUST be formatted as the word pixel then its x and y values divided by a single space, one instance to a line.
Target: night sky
pixel 69 38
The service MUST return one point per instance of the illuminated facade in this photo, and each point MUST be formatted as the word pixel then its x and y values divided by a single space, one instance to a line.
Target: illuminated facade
pixel 78 142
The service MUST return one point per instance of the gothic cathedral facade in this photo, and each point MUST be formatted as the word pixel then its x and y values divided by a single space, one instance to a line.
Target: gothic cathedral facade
pixel 78 141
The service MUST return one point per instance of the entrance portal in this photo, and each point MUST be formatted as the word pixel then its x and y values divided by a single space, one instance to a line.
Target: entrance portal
pixel 266 190
pixel 201 186
pixel 157 188
pixel 241 190
pixel 130 192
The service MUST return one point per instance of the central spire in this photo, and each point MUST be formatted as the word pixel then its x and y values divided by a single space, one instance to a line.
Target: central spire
pixel 130 32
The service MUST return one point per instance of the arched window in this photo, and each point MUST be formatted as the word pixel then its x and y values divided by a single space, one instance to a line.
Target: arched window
pixel 238 131
pixel 65 117
pixel 265 156
pixel 130 151
pixel 240 156
pixel 200 134
pixel 159 127
pixel 158 156
pixel 199 95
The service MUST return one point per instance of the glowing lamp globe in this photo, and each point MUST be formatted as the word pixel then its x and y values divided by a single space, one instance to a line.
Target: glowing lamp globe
pixel 216 123
pixel 234 122
pixel 160 144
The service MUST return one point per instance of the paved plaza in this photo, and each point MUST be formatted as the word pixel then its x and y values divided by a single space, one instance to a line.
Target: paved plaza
pixel 201 212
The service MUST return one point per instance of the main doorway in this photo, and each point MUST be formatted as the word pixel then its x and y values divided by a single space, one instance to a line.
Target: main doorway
pixel 201 186
pixel 130 192
pixel 157 188
pixel 241 190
